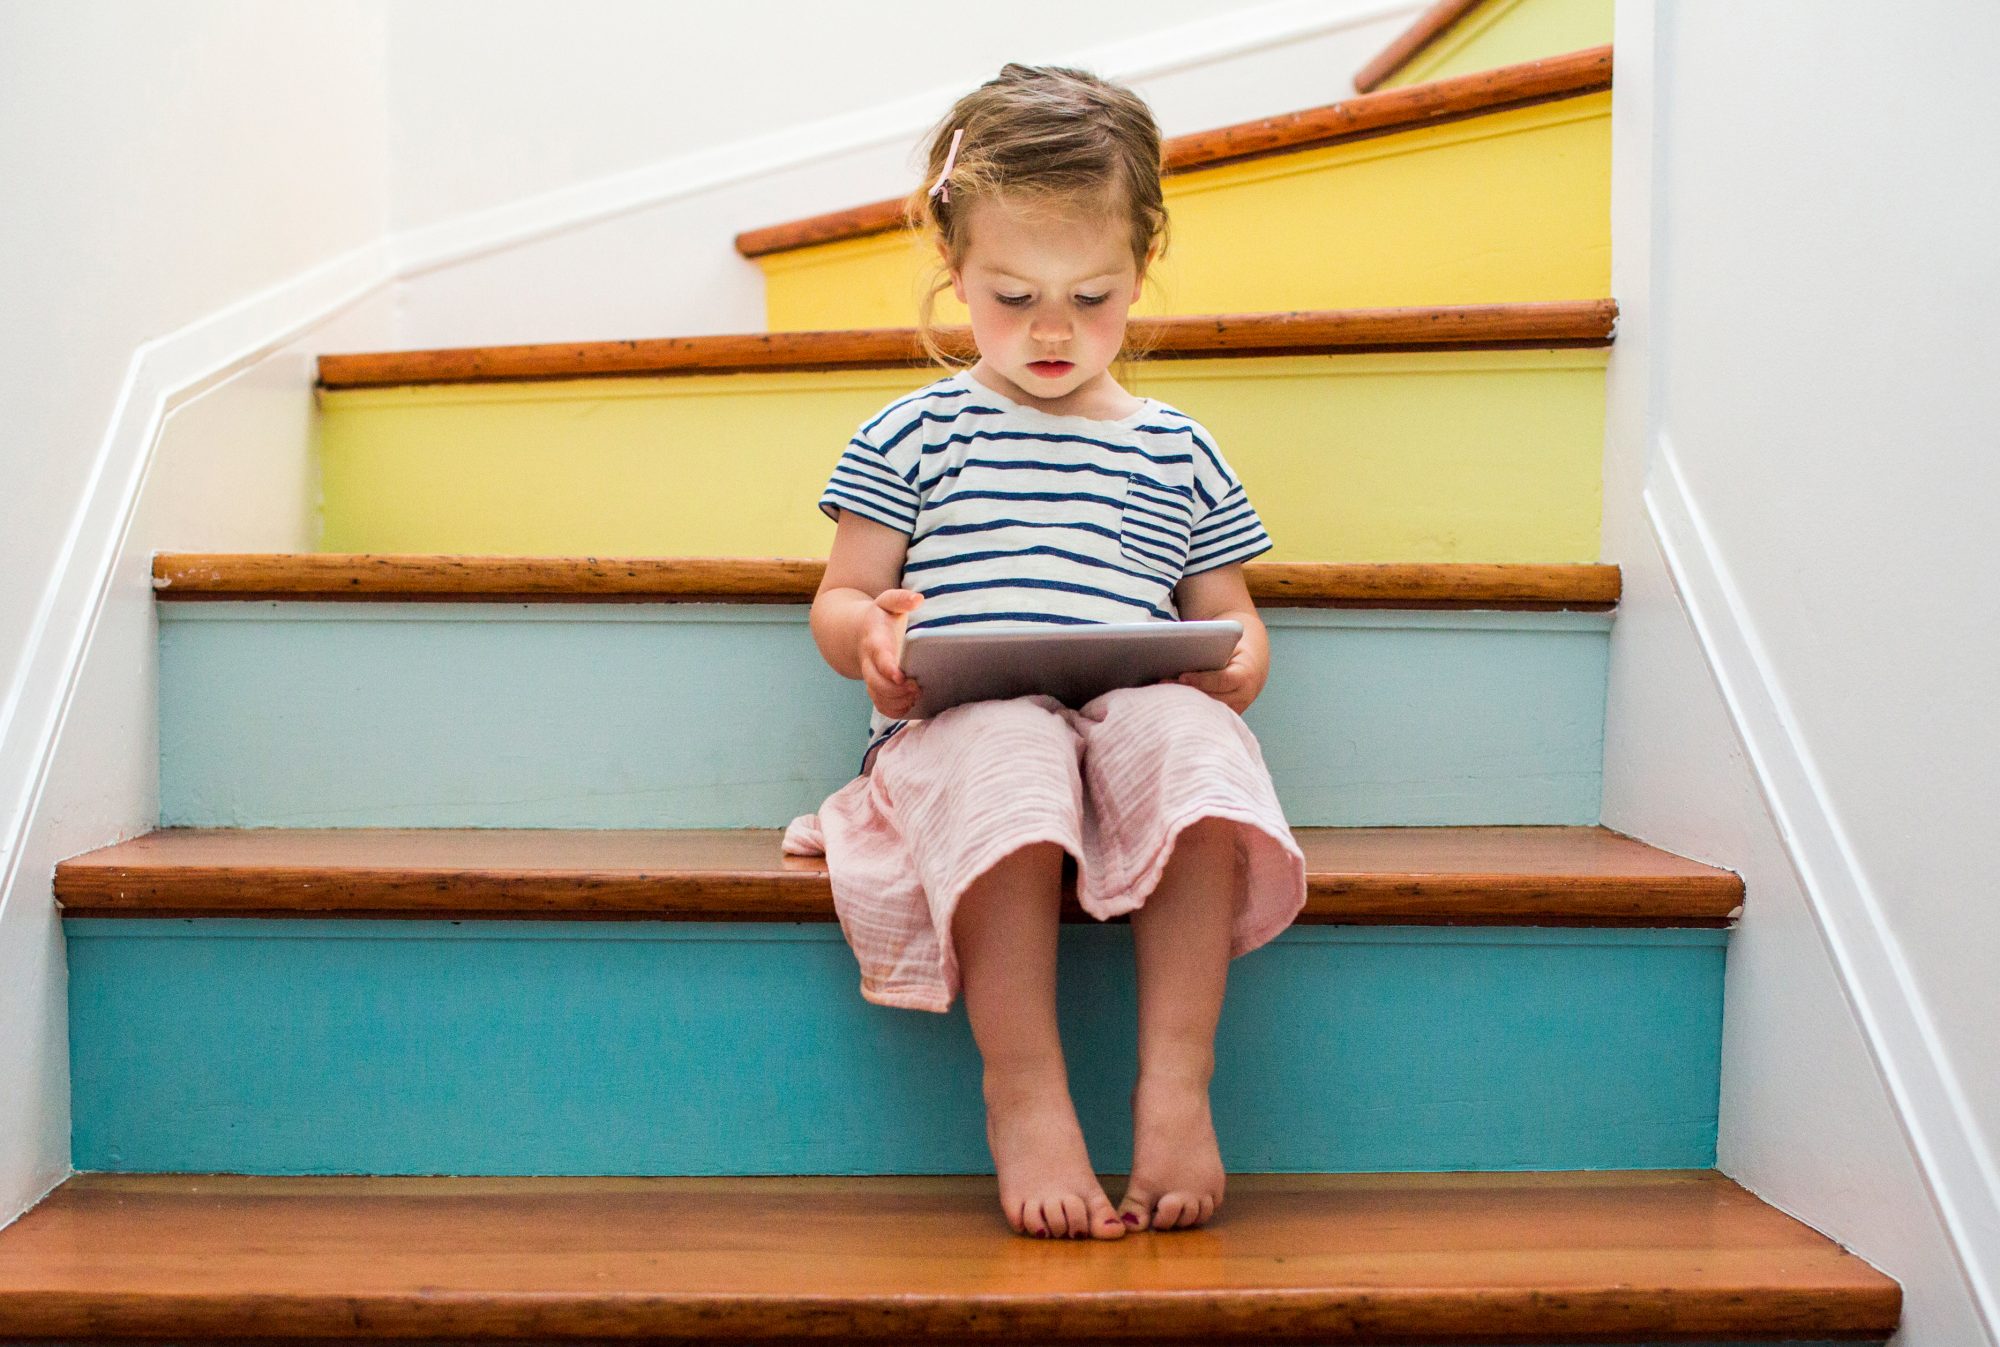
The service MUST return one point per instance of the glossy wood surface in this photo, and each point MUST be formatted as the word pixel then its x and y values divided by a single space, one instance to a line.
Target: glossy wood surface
pixel 334 576
pixel 1422 328
pixel 1428 27
pixel 1371 114
pixel 1403 876
pixel 1560 1257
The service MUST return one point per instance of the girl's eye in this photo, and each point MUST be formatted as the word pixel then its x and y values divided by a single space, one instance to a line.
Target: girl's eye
pixel 1012 299
pixel 1088 300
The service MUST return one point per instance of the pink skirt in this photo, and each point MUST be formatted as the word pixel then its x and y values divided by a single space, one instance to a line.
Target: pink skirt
pixel 1113 784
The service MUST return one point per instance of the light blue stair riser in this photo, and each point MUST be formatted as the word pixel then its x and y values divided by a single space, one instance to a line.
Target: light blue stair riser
pixel 689 716
pixel 389 1047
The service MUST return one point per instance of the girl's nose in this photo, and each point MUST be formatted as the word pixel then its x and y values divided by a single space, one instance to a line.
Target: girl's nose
pixel 1049 328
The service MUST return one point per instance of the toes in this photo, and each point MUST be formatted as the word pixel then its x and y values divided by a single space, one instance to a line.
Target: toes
pixel 1069 1216
pixel 1194 1208
pixel 1178 1211
pixel 1104 1222
pixel 1135 1210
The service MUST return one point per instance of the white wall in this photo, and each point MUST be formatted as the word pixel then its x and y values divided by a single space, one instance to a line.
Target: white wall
pixel 1804 661
pixel 186 185
pixel 588 185
pixel 497 101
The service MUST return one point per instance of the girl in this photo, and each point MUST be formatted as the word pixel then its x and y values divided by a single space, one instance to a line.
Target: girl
pixel 1033 487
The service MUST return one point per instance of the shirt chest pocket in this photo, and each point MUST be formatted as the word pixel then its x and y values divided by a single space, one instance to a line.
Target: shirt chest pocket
pixel 1153 530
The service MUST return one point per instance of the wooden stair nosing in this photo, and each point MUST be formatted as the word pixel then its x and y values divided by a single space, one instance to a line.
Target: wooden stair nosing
pixel 1569 1257
pixel 1481 93
pixel 1518 876
pixel 1540 325
pixel 449 578
pixel 1429 26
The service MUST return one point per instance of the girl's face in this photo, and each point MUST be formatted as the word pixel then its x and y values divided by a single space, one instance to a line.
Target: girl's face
pixel 1049 294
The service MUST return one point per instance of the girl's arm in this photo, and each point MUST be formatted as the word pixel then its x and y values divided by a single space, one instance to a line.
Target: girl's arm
pixel 858 613
pixel 1221 593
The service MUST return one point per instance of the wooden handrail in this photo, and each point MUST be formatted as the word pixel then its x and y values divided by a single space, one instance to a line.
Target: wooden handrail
pixel 1430 25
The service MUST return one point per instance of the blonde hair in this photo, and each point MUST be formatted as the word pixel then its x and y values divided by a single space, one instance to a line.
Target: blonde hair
pixel 1044 137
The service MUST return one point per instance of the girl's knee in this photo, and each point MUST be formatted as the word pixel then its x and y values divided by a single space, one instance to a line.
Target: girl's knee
pixel 1006 712
pixel 1206 841
pixel 1001 739
pixel 1158 696
pixel 1034 860
pixel 1212 830
pixel 1023 884
pixel 1175 707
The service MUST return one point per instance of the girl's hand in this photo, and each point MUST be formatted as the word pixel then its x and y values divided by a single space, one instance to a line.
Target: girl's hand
pixel 881 638
pixel 1236 684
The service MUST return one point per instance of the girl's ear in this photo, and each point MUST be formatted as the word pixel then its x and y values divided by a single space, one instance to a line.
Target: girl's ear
pixel 956 274
pixel 1139 281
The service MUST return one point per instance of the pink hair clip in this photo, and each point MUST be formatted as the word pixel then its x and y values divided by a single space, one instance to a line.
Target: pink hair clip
pixel 942 185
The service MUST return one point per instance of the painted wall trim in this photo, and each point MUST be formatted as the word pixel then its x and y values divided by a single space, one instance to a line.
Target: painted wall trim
pixel 1959 1171
pixel 1187 46
pixel 162 374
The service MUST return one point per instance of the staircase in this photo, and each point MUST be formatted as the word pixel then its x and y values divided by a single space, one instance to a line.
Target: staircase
pixel 468 862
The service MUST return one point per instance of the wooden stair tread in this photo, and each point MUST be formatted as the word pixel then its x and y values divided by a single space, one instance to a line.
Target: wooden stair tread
pixel 1371 114
pixel 1325 1258
pixel 1533 326
pixel 1490 875
pixel 444 577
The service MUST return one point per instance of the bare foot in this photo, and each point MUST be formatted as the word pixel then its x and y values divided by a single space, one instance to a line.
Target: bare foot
pixel 1177 1175
pixel 1046 1183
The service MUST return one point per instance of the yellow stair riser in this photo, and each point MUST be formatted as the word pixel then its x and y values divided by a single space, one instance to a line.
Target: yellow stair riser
pixel 1453 456
pixel 1508 32
pixel 1511 207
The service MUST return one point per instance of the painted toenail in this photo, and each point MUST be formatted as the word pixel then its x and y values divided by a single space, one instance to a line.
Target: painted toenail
pixel 1130 1219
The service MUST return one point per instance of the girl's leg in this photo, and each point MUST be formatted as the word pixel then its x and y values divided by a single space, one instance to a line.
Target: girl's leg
pixel 1004 931
pixel 1181 936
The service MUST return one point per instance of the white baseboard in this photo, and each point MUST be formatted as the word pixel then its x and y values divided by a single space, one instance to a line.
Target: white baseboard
pixel 1960 1172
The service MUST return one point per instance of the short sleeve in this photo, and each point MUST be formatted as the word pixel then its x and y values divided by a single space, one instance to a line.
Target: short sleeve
pixel 867 480
pixel 1226 527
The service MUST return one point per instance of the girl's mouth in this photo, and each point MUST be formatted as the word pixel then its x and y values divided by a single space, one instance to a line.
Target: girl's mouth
pixel 1051 369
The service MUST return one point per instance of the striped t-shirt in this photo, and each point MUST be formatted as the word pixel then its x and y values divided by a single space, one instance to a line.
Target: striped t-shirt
pixel 1018 515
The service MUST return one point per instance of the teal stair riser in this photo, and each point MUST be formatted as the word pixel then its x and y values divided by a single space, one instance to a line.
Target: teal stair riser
pixel 619 716
pixel 293 1047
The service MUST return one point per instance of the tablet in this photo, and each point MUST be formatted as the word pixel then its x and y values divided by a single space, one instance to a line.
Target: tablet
pixel 1071 664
